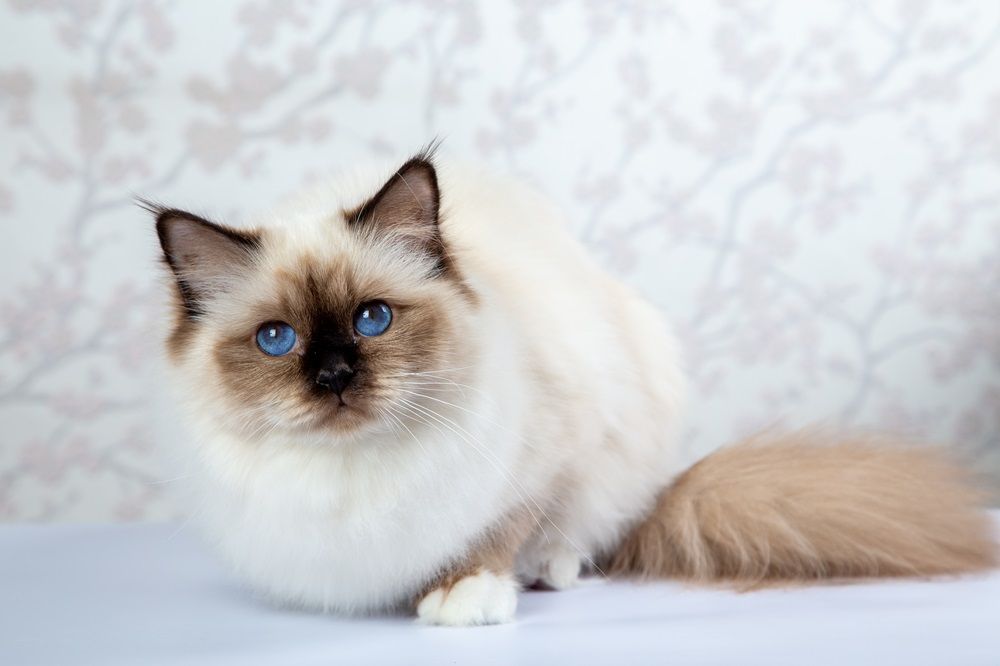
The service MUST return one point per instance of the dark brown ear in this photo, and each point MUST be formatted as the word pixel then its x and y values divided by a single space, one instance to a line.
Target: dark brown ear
pixel 407 208
pixel 206 258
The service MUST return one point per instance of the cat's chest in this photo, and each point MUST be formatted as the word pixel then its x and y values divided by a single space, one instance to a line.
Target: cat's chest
pixel 358 536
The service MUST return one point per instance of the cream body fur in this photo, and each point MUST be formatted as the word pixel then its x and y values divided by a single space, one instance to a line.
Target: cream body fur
pixel 515 422
pixel 573 396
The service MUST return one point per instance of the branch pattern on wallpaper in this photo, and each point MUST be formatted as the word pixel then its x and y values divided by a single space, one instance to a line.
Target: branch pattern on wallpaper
pixel 808 192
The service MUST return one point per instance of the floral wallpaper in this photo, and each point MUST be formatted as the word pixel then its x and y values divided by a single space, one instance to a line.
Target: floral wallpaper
pixel 809 191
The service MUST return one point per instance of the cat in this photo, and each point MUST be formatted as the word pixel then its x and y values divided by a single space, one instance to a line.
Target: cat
pixel 412 389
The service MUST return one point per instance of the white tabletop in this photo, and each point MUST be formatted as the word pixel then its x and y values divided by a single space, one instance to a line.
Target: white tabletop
pixel 150 595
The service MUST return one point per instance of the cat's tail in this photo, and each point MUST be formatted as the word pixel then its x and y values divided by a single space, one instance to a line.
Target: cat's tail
pixel 794 508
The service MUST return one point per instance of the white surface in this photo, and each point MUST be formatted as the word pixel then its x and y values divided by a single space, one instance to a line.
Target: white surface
pixel 149 595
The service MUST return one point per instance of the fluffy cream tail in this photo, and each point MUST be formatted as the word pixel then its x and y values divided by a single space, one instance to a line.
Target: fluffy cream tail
pixel 795 508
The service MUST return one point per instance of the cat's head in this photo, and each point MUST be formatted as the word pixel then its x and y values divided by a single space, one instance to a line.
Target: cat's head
pixel 324 323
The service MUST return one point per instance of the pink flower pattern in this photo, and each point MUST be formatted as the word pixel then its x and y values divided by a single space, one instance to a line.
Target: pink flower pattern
pixel 809 191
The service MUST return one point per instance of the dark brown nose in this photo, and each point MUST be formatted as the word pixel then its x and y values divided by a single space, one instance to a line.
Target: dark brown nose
pixel 335 375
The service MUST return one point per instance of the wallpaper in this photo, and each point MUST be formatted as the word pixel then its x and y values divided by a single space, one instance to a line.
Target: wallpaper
pixel 810 192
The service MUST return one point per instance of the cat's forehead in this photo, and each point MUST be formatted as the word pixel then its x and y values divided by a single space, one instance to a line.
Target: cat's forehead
pixel 312 265
pixel 327 248
pixel 316 252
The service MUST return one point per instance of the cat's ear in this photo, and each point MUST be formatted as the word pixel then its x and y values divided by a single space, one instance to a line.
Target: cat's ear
pixel 407 208
pixel 206 258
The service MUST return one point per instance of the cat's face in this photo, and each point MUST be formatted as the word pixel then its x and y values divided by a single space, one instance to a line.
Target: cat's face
pixel 326 328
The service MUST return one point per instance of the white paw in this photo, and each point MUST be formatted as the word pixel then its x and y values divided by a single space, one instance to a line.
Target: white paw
pixel 484 598
pixel 561 570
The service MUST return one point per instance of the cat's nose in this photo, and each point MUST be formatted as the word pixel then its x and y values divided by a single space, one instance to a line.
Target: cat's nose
pixel 335 375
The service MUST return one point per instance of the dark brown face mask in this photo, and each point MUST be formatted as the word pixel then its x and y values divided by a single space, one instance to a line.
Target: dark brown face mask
pixel 330 342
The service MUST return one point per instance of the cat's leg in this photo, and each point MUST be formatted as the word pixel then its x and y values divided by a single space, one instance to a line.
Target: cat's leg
pixel 559 567
pixel 549 560
pixel 481 588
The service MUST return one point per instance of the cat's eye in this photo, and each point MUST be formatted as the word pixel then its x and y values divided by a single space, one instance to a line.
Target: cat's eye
pixel 275 338
pixel 372 318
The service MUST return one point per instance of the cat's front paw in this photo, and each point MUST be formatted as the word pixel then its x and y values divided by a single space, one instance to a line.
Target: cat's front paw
pixel 483 598
pixel 551 566
pixel 561 570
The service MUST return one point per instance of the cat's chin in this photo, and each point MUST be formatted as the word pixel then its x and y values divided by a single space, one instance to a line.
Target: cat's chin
pixel 327 432
pixel 315 421
pixel 345 420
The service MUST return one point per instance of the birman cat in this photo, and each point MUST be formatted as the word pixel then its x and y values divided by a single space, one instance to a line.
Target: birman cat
pixel 411 388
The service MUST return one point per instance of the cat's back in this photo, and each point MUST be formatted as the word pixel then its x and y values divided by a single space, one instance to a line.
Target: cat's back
pixel 516 247
pixel 501 227
pixel 576 320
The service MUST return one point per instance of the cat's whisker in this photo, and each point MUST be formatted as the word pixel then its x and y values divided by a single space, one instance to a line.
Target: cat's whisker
pixel 426 378
pixel 430 377
pixel 416 439
pixel 469 438
pixel 438 388
pixel 200 509
pixel 441 370
pixel 487 455
pixel 263 429
pixel 525 497
pixel 519 489
pixel 424 382
pixel 162 482
pixel 580 551
pixel 441 388
pixel 475 389
pixel 478 415
pixel 465 433
pixel 265 421
pixel 382 417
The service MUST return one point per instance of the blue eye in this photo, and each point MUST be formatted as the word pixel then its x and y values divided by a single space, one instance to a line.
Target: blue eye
pixel 275 338
pixel 372 319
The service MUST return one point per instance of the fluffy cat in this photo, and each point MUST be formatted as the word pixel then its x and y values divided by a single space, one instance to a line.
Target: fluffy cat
pixel 413 389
